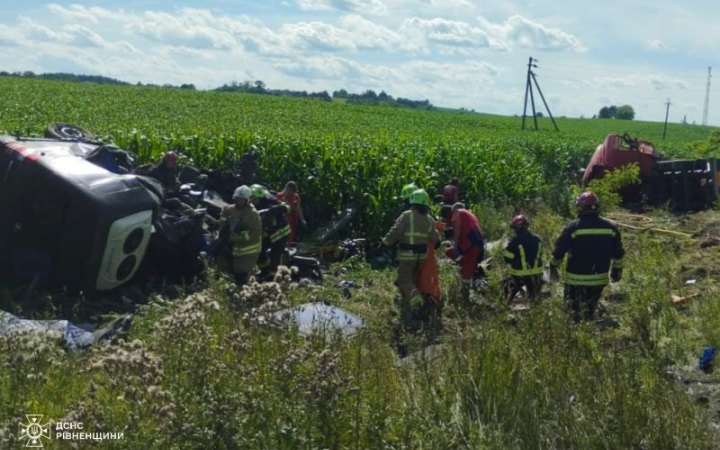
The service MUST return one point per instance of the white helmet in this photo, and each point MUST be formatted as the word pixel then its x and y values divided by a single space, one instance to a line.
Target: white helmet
pixel 242 192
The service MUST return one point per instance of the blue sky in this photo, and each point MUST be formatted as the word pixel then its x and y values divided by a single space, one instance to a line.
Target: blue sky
pixel 455 53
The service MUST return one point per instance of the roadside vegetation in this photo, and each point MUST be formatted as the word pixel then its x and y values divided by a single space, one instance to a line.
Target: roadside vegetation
pixel 213 369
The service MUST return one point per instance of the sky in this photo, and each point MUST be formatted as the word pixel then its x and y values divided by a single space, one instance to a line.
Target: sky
pixel 454 53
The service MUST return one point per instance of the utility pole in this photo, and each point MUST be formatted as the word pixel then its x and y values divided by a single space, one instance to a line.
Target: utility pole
pixel 530 79
pixel 667 112
pixel 707 98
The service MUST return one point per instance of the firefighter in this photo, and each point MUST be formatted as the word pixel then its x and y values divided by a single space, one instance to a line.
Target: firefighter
pixel 524 255
pixel 405 194
pixel 240 223
pixel 468 245
pixel 594 248
pixel 413 230
pixel 167 173
pixel 276 229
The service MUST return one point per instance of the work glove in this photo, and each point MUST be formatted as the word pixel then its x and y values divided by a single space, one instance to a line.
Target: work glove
pixel 616 274
pixel 554 275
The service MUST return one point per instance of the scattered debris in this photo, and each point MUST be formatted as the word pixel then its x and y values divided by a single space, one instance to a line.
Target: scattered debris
pixel 705 362
pixel 75 337
pixel 677 300
pixel 313 318
pixel 345 285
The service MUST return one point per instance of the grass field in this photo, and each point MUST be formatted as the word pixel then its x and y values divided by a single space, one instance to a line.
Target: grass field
pixel 209 370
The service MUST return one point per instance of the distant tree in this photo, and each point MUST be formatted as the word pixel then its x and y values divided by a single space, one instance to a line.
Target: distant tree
pixel 188 86
pixel 607 112
pixel 342 93
pixel 259 86
pixel 369 94
pixel 625 112
pixel 539 114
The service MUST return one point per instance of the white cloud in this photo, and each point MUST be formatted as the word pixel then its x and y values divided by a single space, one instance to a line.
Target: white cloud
pixel 82 36
pixel 458 37
pixel 330 67
pixel 193 28
pixel 318 35
pixel 655 44
pixel 372 7
pixel 81 14
pixel 369 35
pixel 445 32
pixel 518 31
pixel 34 30
pixel 656 82
pixel 7 36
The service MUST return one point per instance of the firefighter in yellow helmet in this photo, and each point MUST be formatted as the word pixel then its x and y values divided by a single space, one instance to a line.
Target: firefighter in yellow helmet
pixel 412 232
pixel 241 223
pixel 405 194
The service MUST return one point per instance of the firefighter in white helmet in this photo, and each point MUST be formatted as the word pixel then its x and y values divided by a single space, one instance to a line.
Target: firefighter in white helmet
pixel 240 222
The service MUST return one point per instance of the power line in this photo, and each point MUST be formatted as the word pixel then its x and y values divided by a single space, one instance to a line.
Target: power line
pixel 529 89
pixel 707 98
pixel 667 113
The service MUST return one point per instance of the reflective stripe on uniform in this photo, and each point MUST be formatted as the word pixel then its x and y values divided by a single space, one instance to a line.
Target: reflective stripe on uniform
pixel 525 270
pixel 412 237
pixel 617 263
pixel 596 279
pixel 409 255
pixel 508 254
pixel 593 232
pixel 247 249
pixel 281 233
pixel 411 234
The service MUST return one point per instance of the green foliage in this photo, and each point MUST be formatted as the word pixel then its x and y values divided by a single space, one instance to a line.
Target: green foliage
pixel 625 112
pixel 608 187
pixel 210 371
pixel 337 152
pixel 708 148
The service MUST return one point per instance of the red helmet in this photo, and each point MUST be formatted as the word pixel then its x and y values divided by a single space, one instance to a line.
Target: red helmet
pixel 170 157
pixel 519 221
pixel 587 201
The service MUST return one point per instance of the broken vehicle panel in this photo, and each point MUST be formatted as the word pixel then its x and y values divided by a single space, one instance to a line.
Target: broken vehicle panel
pixel 66 222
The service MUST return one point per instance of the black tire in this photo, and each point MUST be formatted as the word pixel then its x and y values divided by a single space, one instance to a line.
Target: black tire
pixel 67 131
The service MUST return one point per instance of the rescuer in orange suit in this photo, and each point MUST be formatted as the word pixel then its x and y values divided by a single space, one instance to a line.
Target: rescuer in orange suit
pixel 468 245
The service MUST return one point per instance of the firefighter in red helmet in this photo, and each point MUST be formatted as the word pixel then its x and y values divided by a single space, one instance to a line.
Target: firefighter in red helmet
pixel 595 254
pixel 524 255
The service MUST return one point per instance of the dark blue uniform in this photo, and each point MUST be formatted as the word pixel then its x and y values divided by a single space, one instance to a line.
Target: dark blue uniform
pixel 593 245
pixel 524 254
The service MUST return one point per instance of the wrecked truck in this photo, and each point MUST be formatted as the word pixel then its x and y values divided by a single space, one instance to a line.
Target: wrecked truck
pixel 684 184
pixel 66 222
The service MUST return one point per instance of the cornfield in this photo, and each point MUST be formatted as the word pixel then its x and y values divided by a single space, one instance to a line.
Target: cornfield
pixel 338 153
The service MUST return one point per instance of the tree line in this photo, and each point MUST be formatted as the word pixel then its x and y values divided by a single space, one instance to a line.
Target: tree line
pixel 624 112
